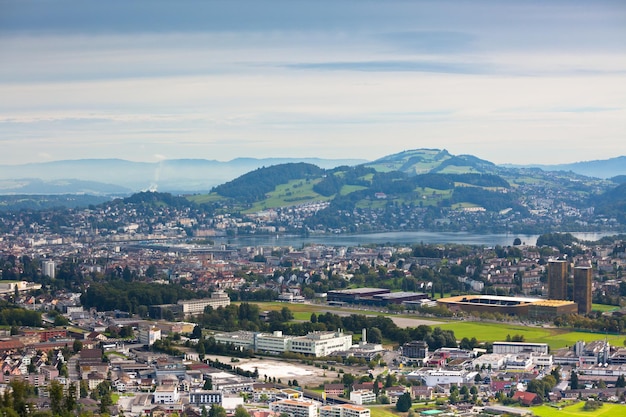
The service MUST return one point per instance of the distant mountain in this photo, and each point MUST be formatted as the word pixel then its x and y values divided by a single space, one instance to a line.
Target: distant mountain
pixel 35 186
pixel 181 175
pixel 44 202
pixel 606 168
pixel 612 203
pixel 423 161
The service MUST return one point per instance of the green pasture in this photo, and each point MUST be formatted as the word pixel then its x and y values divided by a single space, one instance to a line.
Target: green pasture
pixel 607 410
pixel 347 189
pixel 383 411
pixel 204 198
pixel 290 194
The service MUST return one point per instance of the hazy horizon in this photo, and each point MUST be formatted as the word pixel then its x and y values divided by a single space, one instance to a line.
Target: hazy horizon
pixel 519 83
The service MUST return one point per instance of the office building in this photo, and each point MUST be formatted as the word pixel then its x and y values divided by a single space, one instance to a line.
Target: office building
pixel 582 289
pixel 557 280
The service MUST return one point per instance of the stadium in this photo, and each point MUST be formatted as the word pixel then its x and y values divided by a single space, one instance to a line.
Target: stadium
pixel 534 308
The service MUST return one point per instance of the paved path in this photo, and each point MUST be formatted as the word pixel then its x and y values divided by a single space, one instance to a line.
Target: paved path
pixel 410 322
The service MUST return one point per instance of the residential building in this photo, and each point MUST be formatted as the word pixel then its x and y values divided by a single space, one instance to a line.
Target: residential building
pixel 344 410
pixel 295 408
pixel 361 397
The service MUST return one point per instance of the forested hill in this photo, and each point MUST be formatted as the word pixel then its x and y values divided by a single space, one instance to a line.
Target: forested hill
pixel 254 185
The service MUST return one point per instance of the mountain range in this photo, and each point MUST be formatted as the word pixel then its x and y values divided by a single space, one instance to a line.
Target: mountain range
pixel 122 177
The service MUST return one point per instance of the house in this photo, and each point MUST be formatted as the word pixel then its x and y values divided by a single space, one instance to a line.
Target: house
pixel 395 392
pixel 527 398
pixel 334 389
pixel 422 392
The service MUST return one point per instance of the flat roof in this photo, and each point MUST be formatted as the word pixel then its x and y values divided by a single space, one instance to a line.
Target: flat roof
pixel 399 294
pixel 364 290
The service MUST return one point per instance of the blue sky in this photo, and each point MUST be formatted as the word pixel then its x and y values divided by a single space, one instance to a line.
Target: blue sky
pixel 510 82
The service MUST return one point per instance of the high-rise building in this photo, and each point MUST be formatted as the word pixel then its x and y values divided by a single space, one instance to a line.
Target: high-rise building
pixel 49 269
pixel 582 289
pixel 557 280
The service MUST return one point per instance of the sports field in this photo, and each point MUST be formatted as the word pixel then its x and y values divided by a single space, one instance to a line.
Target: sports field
pixel 607 410
pixel 555 338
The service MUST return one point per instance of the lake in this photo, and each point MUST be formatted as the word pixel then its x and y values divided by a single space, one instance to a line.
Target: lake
pixel 394 238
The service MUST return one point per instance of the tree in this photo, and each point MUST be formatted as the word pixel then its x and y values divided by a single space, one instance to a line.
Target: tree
pixel 217 411
pixel 621 382
pixel 55 390
pixel 374 335
pixel 69 401
pixel 240 411
pixel 77 346
pixel 404 403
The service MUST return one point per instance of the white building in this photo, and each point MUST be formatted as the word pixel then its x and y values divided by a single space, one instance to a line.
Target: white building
pixel 272 343
pixel 434 377
pixel 517 347
pixel 320 343
pixel 166 394
pixel 49 268
pixel 194 307
pixel 361 397
pixel 295 408
pixel 344 410
pixel 149 334
pixel 490 361
pixel 241 339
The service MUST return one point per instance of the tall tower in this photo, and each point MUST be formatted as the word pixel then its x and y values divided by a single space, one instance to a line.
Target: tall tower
pixel 557 280
pixel 582 289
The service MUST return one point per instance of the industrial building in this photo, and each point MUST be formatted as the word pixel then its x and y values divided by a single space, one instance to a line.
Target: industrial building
pixel 519 347
pixel 314 344
pixel 373 296
pixel 557 280
pixel 582 289
pixel 535 308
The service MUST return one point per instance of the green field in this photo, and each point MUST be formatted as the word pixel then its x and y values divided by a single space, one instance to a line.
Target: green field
pixel 604 307
pixel 555 338
pixel 607 410
pixel 290 194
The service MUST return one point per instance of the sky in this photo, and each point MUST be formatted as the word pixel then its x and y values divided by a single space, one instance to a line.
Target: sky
pixel 521 82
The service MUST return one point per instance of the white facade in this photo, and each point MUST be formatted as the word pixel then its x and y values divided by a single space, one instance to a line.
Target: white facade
pixel 344 410
pixel 166 394
pixel 490 361
pixel 361 397
pixel 194 307
pixel 434 377
pixel 320 343
pixel 240 339
pixel 49 269
pixel 517 347
pixel 295 408
pixel 272 343
pixel 149 335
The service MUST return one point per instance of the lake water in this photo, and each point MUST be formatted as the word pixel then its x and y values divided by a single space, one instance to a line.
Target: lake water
pixel 394 238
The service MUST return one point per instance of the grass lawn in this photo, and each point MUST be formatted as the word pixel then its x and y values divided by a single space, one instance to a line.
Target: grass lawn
pixel 115 397
pixel 607 410
pixel 383 411
pixel 603 307
pixel 555 338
